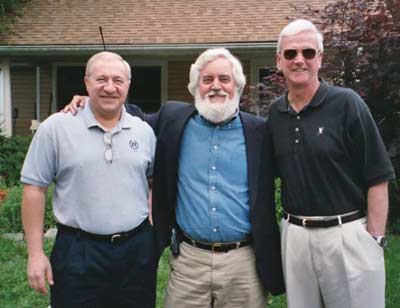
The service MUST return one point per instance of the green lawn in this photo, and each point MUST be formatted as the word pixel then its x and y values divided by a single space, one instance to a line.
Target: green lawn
pixel 15 292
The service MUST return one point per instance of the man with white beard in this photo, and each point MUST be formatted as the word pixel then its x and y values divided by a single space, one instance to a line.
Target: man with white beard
pixel 206 194
pixel 205 185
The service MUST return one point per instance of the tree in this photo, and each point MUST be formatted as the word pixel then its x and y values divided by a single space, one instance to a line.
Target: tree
pixel 9 11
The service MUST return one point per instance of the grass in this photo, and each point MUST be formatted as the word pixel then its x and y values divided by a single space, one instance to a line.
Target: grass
pixel 15 292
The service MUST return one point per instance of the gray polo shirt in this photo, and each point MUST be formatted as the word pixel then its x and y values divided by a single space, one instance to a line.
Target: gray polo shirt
pixel 91 193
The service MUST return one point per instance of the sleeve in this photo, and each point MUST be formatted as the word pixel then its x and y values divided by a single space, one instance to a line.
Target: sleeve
pixel 152 147
pixel 39 167
pixel 366 145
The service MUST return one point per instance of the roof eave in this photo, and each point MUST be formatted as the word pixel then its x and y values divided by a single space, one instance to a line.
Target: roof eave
pixel 148 50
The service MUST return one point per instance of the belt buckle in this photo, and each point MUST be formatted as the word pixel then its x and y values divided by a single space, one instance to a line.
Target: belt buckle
pixel 115 237
pixel 215 245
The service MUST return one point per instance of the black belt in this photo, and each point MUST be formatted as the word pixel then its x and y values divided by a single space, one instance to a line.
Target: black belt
pixel 217 247
pixel 322 223
pixel 112 238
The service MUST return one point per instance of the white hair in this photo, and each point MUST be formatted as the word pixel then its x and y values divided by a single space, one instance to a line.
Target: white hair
pixel 106 55
pixel 297 26
pixel 210 55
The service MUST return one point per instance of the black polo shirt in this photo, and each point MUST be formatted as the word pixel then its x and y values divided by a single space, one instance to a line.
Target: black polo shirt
pixel 328 154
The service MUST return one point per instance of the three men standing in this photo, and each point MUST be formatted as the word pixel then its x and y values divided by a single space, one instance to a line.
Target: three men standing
pixel 210 189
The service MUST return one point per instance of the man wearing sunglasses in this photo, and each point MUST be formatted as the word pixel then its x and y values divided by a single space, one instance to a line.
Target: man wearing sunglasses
pixel 334 170
pixel 105 252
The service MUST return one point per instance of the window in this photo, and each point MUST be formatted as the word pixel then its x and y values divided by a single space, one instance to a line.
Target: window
pixel 145 90
pixel 69 83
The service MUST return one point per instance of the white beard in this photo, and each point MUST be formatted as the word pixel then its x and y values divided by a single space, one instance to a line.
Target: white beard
pixel 216 112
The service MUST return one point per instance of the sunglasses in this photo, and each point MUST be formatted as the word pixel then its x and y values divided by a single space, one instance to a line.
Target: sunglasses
pixel 308 53
pixel 108 154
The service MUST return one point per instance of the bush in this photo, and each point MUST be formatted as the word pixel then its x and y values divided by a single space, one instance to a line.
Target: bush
pixel 12 155
pixel 10 211
pixel 278 201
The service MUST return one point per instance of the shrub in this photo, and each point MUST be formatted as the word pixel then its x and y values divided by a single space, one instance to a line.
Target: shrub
pixel 12 155
pixel 10 211
pixel 278 201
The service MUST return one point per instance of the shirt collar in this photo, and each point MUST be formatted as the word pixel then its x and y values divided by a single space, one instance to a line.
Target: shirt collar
pixel 317 99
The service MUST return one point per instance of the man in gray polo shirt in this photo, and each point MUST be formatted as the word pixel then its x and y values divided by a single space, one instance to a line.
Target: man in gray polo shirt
pixel 104 254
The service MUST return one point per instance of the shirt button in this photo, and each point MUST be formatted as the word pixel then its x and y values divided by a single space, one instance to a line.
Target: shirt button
pixel 213 187
pixel 214 209
pixel 215 229
pixel 213 167
pixel 297 129
pixel 298 117
pixel 297 141
pixel 215 147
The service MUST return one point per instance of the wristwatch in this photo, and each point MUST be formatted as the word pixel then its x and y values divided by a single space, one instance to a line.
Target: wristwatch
pixel 381 240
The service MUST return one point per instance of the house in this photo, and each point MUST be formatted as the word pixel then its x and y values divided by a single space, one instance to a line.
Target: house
pixel 42 58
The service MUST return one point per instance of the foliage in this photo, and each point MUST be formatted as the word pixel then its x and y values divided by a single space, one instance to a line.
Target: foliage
pixel 257 99
pixel 394 207
pixel 12 155
pixel 9 12
pixel 278 201
pixel 10 211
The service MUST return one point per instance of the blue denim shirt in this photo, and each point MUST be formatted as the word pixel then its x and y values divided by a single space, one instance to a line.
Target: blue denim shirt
pixel 213 194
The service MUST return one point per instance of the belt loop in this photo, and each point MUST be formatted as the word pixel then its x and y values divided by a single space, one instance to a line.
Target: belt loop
pixel 288 217
pixel 237 245
pixel 339 220
pixel 194 243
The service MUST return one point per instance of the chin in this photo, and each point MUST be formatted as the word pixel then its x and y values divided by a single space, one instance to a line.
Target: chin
pixel 219 111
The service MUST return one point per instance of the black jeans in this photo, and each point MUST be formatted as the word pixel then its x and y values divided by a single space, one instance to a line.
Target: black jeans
pixel 92 273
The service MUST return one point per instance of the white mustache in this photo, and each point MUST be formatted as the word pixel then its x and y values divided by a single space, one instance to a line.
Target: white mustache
pixel 214 93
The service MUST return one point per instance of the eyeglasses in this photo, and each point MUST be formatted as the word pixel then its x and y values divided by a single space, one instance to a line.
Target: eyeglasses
pixel 308 53
pixel 108 154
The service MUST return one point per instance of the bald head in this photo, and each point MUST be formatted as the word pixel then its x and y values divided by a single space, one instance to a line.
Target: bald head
pixel 106 56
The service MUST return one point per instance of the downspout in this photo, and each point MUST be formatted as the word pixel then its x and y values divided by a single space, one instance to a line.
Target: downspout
pixel 36 121
pixel 37 105
pixel 5 105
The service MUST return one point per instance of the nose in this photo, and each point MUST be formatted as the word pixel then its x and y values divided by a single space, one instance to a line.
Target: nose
pixel 215 85
pixel 109 86
pixel 299 57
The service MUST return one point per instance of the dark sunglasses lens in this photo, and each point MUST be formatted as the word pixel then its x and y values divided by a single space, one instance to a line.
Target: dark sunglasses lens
pixel 290 54
pixel 309 53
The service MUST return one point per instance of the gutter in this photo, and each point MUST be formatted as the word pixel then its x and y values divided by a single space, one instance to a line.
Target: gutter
pixel 156 49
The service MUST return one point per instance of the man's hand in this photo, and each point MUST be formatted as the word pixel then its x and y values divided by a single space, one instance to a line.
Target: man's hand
pixel 39 272
pixel 77 101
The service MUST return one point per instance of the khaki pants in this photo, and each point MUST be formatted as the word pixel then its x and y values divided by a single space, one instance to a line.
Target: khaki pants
pixel 203 279
pixel 337 267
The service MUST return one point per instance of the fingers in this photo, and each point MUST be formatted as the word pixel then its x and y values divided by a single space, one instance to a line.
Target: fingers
pixel 49 275
pixel 77 101
pixel 39 270
pixel 151 219
pixel 37 282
